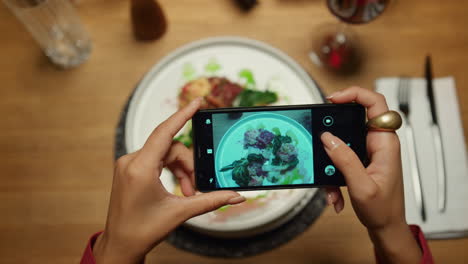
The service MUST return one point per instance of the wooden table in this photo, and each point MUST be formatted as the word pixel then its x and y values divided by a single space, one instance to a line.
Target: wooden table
pixel 57 128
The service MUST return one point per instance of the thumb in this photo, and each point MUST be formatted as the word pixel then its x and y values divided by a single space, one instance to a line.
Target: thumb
pixel 359 183
pixel 207 202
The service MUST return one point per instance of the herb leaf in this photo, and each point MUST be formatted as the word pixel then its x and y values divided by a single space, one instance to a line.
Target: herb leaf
pixel 185 139
pixel 240 175
pixel 255 158
pixel 250 97
pixel 235 164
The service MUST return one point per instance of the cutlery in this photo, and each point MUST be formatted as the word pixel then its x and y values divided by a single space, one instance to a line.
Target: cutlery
pixel 441 176
pixel 404 106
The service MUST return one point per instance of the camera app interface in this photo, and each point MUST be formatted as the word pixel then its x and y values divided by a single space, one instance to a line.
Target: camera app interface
pixel 263 148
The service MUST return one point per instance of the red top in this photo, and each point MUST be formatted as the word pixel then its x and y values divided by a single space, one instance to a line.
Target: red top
pixel 88 257
pixel 419 236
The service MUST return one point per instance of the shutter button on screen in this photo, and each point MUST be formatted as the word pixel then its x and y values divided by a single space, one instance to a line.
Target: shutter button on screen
pixel 328 121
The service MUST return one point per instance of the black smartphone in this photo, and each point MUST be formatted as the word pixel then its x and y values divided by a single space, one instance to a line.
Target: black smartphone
pixel 274 147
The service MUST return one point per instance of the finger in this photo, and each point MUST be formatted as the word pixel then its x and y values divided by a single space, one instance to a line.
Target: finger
pixel 381 147
pixel 179 160
pixel 180 156
pixel 339 204
pixel 207 202
pixel 332 194
pixel 384 148
pixel 360 185
pixel 184 180
pixel 374 102
pixel 335 197
pixel 160 140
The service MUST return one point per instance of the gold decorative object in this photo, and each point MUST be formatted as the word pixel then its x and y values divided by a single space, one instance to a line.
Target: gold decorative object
pixel 388 121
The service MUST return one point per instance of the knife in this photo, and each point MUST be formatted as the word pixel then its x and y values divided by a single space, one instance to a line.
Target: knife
pixel 439 151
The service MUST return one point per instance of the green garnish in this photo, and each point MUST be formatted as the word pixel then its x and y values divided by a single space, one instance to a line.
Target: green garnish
pixel 249 79
pixel 250 97
pixel 292 136
pixel 212 67
pixel 224 208
pixel 185 138
pixel 276 131
pixel 277 142
pixel 292 177
pixel 189 72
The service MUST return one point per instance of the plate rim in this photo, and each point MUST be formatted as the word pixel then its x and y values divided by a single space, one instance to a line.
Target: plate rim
pixel 145 81
pixel 267 226
pixel 206 42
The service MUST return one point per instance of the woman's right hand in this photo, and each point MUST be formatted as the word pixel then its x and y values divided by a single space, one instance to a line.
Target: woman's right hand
pixel 376 192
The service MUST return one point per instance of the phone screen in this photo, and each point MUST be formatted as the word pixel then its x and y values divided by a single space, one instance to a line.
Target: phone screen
pixel 272 147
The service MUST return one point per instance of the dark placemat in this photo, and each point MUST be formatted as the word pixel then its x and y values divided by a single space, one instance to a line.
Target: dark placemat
pixel 195 242
pixel 187 239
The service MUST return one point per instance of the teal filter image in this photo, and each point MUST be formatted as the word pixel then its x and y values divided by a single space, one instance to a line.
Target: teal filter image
pixel 263 148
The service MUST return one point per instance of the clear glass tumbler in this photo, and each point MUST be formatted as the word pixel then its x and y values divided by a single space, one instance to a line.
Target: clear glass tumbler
pixel 56 27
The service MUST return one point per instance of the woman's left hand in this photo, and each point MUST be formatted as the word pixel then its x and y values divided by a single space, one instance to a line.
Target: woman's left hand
pixel 141 211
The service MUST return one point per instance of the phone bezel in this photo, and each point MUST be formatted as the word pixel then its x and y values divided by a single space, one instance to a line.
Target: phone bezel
pixel 197 124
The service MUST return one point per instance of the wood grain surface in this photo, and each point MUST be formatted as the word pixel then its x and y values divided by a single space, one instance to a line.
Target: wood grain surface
pixel 57 127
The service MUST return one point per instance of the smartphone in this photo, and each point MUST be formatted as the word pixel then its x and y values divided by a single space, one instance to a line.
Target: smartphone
pixel 273 147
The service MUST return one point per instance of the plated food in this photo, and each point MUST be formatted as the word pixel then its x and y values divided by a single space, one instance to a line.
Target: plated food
pixel 265 149
pixel 216 91
pixel 220 92
pixel 270 156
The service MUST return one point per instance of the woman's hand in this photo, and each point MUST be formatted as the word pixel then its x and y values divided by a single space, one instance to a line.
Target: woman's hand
pixel 141 211
pixel 376 192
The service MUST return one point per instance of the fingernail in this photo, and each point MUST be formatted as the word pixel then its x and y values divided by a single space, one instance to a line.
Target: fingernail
pixel 236 200
pixel 196 101
pixel 329 199
pixel 338 207
pixel 330 141
pixel 333 95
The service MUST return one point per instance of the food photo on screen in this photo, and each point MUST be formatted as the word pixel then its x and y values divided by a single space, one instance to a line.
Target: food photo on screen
pixel 263 148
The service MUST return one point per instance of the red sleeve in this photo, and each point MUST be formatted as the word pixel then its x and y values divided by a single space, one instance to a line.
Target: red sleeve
pixel 88 257
pixel 419 236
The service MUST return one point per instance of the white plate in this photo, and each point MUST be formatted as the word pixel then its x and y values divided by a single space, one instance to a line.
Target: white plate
pixel 155 99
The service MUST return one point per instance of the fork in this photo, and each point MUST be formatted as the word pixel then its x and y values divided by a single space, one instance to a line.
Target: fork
pixel 404 106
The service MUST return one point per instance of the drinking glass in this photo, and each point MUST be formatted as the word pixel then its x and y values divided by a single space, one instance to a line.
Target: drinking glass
pixel 56 27
pixel 357 11
pixel 336 46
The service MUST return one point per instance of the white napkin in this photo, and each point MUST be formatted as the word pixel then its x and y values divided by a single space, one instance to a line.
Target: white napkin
pixel 454 222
